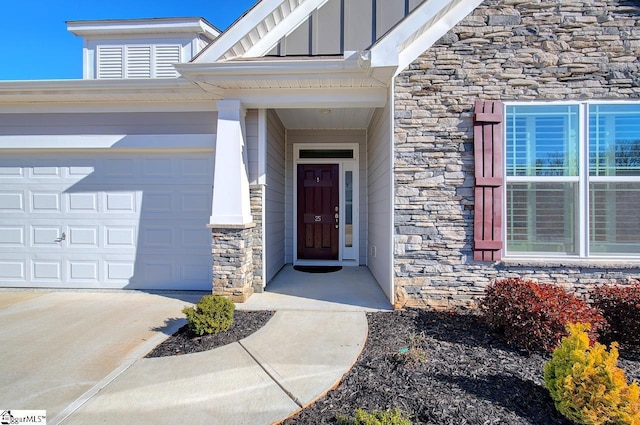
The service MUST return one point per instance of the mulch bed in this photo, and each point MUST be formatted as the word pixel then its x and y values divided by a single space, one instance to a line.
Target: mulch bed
pixel 455 372
pixel 185 341
pixel 441 368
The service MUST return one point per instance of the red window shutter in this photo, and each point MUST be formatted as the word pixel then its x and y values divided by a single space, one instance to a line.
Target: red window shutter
pixel 487 135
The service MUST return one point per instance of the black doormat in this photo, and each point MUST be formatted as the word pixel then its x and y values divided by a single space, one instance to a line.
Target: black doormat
pixel 317 269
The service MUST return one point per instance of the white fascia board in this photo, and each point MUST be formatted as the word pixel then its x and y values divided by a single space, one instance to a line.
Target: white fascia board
pixel 281 68
pixel 284 27
pixel 109 141
pixel 86 85
pixel 311 98
pixel 105 107
pixel 239 29
pixel 386 51
pixel 142 26
pixel 134 90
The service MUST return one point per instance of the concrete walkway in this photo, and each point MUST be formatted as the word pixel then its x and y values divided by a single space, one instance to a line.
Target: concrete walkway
pixel 79 354
pixel 292 361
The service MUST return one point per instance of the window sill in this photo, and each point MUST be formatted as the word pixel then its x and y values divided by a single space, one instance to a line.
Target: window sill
pixel 586 263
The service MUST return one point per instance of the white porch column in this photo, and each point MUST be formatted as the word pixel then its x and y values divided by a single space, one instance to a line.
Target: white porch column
pixel 231 204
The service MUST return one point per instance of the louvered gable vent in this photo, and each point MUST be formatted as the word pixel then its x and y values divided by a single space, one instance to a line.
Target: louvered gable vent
pixel 166 56
pixel 138 61
pixel 110 64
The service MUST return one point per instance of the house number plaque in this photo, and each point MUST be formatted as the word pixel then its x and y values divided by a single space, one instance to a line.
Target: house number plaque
pixel 318 218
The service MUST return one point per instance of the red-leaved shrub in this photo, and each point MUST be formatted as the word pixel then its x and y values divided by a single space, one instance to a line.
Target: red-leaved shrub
pixel 620 305
pixel 534 316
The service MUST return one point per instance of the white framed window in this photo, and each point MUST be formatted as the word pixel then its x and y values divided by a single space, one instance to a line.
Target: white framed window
pixel 572 179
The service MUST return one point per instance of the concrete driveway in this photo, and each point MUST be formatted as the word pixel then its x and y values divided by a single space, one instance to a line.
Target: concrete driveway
pixel 59 348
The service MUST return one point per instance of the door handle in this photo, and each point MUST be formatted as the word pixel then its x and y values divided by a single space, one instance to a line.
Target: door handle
pixel 61 238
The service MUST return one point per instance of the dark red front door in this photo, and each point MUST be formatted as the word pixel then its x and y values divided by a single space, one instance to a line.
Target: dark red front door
pixel 318 192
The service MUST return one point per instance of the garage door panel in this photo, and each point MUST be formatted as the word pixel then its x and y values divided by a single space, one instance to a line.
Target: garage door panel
pixel 46 236
pixel 158 167
pixel 195 201
pixel 196 167
pixel 120 168
pixel 158 202
pixel 12 236
pixel 13 270
pixel 157 237
pixel 44 170
pixel 121 202
pixel 194 237
pixel 11 201
pixel 196 272
pixel 10 171
pixel 82 202
pixel 120 236
pixel 46 271
pixel 119 272
pixel 48 202
pixel 83 271
pixel 84 237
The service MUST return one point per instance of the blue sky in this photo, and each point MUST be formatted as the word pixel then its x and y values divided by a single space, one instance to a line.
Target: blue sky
pixel 37 46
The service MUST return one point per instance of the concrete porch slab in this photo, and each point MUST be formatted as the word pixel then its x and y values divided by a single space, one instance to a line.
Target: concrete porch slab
pixel 350 289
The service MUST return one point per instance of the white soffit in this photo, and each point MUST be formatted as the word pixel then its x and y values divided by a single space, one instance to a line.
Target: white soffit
pixel 268 19
pixel 419 31
pixel 326 118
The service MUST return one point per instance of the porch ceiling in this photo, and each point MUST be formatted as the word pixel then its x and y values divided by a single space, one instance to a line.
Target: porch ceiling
pixel 326 118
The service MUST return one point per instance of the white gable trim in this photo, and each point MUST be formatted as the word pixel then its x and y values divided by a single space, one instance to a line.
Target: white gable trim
pixel 285 27
pixel 264 17
pixel 419 31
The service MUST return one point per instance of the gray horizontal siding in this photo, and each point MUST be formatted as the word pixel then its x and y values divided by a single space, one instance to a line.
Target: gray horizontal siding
pixel 109 123
pixel 275 196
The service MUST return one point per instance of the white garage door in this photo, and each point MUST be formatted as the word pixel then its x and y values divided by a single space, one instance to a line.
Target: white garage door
pixel 106 220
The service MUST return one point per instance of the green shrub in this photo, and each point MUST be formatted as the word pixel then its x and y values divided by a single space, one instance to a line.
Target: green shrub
pixel 586 385
pixel 534 316
pixel 620 305
pixel 377 417
pixel 211 315
pixel 414 354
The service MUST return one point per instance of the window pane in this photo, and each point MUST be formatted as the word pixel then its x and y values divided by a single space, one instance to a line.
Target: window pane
pixel 541 217
pixel 614 218
pixel 326 153
pixel 542 140
pixel 348 206
pixel 614 140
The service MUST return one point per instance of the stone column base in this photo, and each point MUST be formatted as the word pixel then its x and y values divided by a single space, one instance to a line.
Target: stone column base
pixel 232 250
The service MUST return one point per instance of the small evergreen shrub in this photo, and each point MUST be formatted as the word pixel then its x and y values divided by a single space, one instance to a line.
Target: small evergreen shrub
pixel 534 316
pixel 377 417
pixel 587 386
pixel 620 306
pixel 211 315
pixel 414 354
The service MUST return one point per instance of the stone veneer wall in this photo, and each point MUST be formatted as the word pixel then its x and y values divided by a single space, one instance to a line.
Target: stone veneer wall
pixel 505 50
pixel 257 194
pixel 232 249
